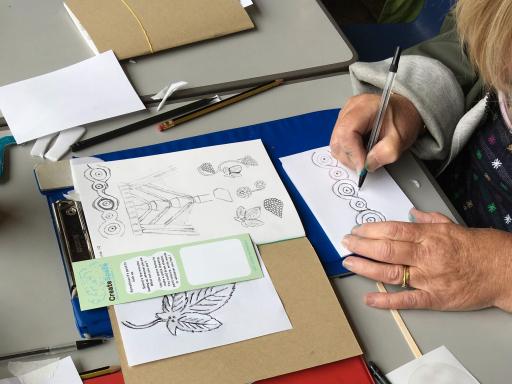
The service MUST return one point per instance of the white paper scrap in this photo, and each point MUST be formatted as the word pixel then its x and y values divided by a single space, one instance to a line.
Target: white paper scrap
pixel 438 366
pixel 181 197
pixel 60 372
pixel 166 92
pixel 63 143
pixel 92 90
pixel 196 320
pixel 330 191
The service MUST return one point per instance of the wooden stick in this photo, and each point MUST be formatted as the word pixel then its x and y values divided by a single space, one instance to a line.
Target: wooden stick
pixel 403 328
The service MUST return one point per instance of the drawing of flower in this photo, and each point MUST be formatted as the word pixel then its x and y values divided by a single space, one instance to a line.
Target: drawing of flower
pixel 190 311
pixel 491 139
pixel 507 219
pixel 249 217
pixel 491 208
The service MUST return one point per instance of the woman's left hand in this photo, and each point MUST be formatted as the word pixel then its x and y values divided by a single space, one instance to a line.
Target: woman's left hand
pixel 453 268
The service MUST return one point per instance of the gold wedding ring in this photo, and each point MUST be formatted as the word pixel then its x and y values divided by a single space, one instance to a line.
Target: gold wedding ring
pixel 406 276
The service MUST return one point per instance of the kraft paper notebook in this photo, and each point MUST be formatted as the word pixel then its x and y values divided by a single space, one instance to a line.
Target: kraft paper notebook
pixel 321 333
pixel 138 27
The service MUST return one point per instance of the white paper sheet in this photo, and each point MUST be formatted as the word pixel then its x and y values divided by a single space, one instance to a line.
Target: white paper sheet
pixel 438 366
pixel 60 372
pixel 196 320
pixel 92 90
pixel 185 196
pixel 330 191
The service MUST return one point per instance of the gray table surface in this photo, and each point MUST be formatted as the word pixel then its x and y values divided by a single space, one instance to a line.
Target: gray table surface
pixel 34 304
pixel 292 38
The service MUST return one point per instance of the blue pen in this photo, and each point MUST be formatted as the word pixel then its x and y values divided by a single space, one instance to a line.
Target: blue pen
pixel 384 100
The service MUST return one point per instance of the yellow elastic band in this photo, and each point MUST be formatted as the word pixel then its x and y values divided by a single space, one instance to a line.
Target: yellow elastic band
pixel 140 25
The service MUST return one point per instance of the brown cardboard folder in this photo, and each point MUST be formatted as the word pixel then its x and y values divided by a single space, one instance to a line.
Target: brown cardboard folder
pixel 139 27
pixel 320 334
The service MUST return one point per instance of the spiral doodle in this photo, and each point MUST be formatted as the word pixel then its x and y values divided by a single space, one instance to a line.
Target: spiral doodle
pixel 369 216
pixel 105 203
pixel 345 188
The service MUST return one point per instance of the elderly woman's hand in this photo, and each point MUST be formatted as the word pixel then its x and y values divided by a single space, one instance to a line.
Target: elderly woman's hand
pixel 451 267
pixel 401 126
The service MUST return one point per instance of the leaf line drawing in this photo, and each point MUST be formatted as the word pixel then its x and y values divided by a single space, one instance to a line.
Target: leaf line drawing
pixel 229 168
pixel 245 192
pixel 346 189
pixel 190 311
pixel 249 217
pixel 106 204
pixel 154 207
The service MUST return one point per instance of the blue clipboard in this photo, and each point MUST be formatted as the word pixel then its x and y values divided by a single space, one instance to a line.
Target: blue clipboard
pixel 281 138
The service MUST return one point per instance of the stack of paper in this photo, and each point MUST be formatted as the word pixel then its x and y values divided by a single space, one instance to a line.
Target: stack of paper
pixel 182 197
pixel 92 90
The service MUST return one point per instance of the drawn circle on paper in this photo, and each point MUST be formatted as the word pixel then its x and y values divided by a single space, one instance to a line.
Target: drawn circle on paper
pixel 440 373
pixel 358 204
pixel 99 174
pixel 109 215
pixel 346 189
pixel 338 174
pixel 112 228
pixel 104 203
pixel 322 159
pixel 369 216
pixel 99 186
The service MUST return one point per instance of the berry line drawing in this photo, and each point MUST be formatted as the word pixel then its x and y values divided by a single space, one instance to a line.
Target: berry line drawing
pixel 153 207
pixel 274 206
pixel 229 168
pixel 245 192
pixel 190 311
pixel 345 188
pixel 106 204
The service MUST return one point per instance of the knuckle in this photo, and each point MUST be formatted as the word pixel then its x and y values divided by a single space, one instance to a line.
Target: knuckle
pixel 394 274
pixel 385 249
pixel 394 230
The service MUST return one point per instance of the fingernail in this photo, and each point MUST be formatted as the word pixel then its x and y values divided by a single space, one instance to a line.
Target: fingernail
pixel 412 219
pixel 347 262
pixel 354 228
pixel 370 300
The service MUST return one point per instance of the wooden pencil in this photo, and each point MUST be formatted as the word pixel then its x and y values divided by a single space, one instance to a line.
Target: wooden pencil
pixel 221 104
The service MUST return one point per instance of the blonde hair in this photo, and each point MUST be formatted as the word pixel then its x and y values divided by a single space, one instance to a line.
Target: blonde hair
pixel 485 27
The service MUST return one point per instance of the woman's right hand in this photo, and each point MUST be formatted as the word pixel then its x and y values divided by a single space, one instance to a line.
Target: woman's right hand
pixel 401 126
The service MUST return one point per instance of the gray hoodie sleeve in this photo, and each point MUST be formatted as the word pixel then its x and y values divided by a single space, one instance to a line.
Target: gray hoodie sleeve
pixel 430 86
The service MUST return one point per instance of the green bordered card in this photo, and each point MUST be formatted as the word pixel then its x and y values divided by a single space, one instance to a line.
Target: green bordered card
pixel 163 271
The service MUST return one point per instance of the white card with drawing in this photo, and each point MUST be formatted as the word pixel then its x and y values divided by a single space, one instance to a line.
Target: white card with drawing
pixel 185 196
pixel 195 320
pixel 438 366
pixel 330 191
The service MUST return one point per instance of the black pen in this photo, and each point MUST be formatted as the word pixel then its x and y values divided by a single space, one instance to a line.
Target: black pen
pixel 377 374
pixel 174 113
pixel 384 100
pixel 76 345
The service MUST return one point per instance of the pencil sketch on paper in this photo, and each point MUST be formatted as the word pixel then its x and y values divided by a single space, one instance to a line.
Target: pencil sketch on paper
pixel 346 189
pixel 229 168
pixel 154 207
pixel 245 192
pixel 249 217
pixel 274 206
pixel 106 204
pixel 190 311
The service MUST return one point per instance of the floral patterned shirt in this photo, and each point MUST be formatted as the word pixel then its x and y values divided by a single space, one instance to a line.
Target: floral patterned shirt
pixel 479 181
